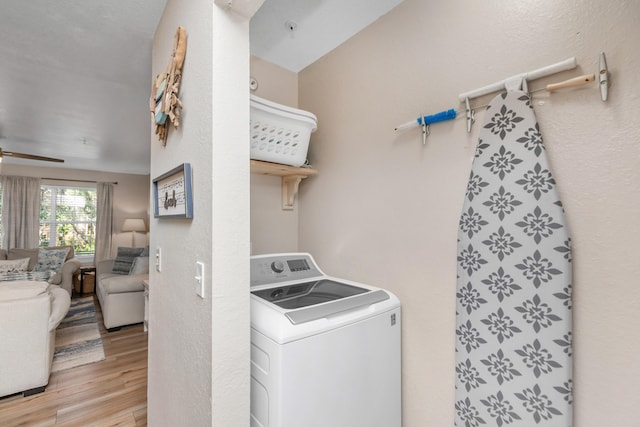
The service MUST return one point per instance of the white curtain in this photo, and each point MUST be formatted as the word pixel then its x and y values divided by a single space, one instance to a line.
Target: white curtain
pixel 104 221
pixel 20 211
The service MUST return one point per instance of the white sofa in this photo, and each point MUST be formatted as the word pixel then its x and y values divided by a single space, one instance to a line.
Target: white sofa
pixel 30 312
pixel 121 296
pixel 63 278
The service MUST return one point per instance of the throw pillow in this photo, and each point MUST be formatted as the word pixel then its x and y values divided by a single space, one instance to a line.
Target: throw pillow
pixel 124 259
pixel 145 252
pixel 14 265
pixel 51 259
pixel 70 254
pixel 140 265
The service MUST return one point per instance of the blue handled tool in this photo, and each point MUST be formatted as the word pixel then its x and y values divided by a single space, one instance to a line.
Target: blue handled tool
pixel 427 120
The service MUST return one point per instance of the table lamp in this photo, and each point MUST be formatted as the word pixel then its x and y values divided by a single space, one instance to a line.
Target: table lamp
pixel 133 225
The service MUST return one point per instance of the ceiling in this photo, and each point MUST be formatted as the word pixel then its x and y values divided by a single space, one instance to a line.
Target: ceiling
pixel 75 81
pixel 75 74
pixel 295 33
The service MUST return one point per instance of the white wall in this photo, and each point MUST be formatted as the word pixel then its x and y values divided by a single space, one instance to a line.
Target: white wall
pixel 130 195
pixel 384 209
pixel 199 347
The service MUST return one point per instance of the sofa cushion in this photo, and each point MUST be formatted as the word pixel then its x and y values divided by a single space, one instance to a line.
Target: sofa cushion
pixel 117 283
pixel 14 265
pixel 51 259
pixel 21 289
pixel 32 254
pixel 140 265
pixel 124 259
pixel 56 278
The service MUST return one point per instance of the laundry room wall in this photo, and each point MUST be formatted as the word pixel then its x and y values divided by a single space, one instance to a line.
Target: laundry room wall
pixel 384 208
pixel 272 229
pixel 199 342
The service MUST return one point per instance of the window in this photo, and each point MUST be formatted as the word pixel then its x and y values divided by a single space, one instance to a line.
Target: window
pixel 68 217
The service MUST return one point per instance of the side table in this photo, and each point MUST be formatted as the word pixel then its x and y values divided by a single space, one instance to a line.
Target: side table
pixel 85 270
pixel 145 283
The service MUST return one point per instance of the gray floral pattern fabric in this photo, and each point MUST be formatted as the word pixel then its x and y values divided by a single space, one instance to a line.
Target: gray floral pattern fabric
pixel 514 320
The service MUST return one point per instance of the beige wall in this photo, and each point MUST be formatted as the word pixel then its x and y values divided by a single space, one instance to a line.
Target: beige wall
pixel 131 195
pixel 384 208
pixel 272 229
pixel 199 346
pixel 275 83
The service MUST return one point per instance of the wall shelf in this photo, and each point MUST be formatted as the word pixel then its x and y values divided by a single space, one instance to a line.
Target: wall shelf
pixel 291 177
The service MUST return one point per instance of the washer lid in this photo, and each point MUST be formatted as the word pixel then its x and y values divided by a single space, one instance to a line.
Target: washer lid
pixel 305 294
pixel 305 300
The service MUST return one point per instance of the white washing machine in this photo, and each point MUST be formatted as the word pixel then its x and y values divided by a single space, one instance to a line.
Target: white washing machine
pixel 325 352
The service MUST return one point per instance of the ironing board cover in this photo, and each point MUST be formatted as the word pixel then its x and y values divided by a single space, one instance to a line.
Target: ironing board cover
pixel 513 309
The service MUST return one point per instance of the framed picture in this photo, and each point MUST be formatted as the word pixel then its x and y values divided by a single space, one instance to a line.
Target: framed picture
pixel 172 193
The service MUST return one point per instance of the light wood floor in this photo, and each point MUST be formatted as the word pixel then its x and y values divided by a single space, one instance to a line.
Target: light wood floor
pixel 112 392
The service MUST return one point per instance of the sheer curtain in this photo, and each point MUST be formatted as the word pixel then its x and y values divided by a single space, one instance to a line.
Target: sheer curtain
pixel 104 221
pixel 20 211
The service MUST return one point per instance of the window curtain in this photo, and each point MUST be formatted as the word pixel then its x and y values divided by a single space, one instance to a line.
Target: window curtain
pixel 104 221
pixel 20 211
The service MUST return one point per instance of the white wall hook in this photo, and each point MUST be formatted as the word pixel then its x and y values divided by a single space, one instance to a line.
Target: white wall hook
pixel 603 77
pixel 425 129
pixel 471 114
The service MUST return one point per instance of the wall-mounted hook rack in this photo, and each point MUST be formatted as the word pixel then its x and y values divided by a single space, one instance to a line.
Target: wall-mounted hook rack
pixel 519 81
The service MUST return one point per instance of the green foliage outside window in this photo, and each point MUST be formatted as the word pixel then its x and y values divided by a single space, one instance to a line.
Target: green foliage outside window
pixel 68 217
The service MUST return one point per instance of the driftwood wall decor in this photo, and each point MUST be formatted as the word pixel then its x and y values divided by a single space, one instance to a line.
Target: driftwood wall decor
pixel 165 104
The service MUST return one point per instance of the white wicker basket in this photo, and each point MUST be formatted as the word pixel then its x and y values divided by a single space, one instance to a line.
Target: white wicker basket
pixel 280 134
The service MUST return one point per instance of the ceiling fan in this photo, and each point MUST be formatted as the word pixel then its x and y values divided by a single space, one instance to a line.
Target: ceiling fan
pixel 4 153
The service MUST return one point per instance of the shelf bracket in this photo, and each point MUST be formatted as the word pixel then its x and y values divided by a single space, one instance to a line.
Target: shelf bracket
pixel 290 185
pixel 290 176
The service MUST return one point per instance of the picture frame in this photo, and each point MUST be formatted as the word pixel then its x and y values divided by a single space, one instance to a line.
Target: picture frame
pixel 173 194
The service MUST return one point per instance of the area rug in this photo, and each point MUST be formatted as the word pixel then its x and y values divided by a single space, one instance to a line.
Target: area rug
pixel 78 339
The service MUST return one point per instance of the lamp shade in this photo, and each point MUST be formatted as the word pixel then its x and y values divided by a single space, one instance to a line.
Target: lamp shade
pixel 134 224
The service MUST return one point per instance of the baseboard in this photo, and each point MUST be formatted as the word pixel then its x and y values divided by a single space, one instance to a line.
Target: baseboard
pixel 33 391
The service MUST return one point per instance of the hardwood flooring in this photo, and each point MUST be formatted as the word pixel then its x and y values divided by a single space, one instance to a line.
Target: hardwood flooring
pixel 112 392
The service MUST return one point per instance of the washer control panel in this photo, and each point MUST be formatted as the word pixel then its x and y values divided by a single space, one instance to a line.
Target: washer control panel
pixel 278 268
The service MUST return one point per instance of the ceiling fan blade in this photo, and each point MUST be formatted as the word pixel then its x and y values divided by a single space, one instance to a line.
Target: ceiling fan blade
pixel 30 156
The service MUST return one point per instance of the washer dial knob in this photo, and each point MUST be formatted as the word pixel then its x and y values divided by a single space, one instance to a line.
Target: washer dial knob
pixel 277 266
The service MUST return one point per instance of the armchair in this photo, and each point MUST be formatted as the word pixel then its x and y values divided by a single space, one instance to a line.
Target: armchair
pixel 121 296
